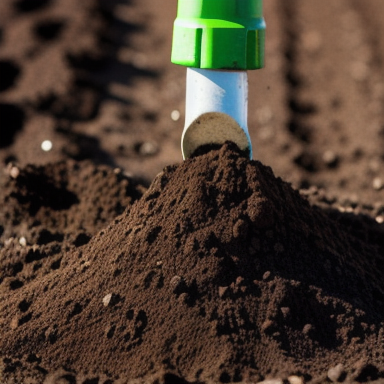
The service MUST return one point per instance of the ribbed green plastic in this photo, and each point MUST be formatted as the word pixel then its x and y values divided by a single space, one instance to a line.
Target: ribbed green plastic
pixel 219 34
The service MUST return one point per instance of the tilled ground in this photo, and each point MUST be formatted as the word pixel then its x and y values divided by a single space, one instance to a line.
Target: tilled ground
pixel 92 80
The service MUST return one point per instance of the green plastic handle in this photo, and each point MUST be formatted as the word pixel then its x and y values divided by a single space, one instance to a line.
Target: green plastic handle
pixel 219 34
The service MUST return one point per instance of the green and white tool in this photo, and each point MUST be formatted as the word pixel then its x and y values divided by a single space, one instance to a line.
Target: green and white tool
pixel 218 40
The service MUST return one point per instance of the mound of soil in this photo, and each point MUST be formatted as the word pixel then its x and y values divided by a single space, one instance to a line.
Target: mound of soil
pixel 220 272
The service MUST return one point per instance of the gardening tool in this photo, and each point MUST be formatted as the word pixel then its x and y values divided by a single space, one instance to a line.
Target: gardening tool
pixel 218 40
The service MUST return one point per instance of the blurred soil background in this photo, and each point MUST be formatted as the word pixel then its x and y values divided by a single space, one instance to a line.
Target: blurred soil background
pixel 95 79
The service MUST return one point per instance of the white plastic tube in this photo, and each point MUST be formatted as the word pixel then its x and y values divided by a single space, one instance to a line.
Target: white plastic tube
pixel 216 109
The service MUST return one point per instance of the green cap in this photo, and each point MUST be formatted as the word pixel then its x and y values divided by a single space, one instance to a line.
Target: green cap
pixel 219 34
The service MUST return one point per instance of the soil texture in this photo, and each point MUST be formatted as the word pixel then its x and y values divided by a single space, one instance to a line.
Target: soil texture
pixel 119 263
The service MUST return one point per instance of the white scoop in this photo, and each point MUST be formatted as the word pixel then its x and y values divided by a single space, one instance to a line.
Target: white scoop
pixel 216 109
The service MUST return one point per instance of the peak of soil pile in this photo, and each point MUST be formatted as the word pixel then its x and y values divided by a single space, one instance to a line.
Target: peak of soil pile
pixel 219 273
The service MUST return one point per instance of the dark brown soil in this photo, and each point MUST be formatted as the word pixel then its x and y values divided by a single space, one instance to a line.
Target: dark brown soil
pixel 220 272
pixel 215 270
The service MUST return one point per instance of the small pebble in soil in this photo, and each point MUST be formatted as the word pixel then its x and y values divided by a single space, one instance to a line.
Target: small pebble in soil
pixel 177 284
pixel 14 172
pixel 307 328
pixel 14 323
pixel 378 183
pixel 46 145
pixel 285 311
pixel 222 291
pixel 147 148
pixel 330 158
pixel 334 373
pixel 266 275
pixel 175 115
pixel 107 299
pixel 295 380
